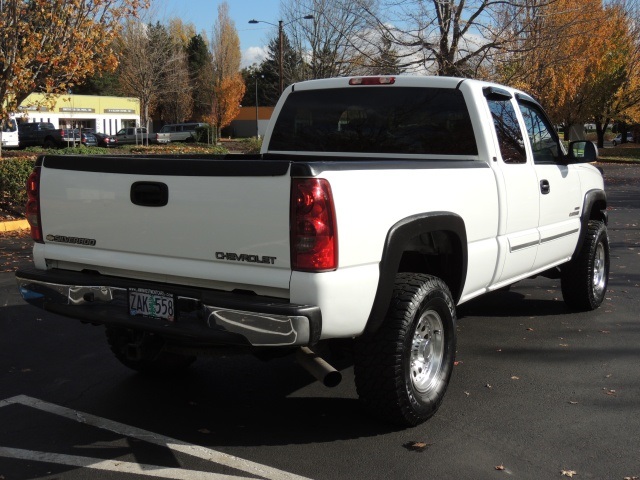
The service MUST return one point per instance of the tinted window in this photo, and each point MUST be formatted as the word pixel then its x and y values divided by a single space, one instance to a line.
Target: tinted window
pixel 544 140
pixel 375 120
pixel 9 125
pixel 508 131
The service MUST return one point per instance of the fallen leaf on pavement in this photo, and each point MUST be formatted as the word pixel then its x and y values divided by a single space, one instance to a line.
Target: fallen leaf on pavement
pixel 569 473
pixel 417 446
pixel 499 467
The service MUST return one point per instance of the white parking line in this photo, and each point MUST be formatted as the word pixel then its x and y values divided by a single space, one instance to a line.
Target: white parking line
pixel 114 465
pixel 203 453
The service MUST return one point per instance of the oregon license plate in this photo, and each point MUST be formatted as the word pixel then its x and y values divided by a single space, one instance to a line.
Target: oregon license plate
pixel 151 303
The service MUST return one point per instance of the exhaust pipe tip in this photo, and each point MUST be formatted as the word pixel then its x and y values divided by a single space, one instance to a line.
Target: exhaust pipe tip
pixel 332 379
pixel 318 367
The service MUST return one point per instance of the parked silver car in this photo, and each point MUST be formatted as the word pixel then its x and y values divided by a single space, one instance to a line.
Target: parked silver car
pixel 618 140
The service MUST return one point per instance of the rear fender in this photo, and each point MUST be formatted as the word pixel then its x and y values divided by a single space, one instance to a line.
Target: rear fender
pixel 410 235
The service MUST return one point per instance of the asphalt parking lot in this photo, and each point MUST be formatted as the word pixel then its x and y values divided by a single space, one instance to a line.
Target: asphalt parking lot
pixel 537 393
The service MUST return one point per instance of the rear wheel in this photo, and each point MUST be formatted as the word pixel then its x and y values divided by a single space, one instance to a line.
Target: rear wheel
pixel 585 278
pixel 402 371
pixel 145 352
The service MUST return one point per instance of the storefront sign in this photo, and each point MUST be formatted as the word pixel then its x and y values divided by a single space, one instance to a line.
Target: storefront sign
pixel 119 110
pixel 77 109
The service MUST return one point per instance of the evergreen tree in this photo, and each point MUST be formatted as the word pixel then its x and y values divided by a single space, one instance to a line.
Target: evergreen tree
pixel 386 62
pixel 294 69
pixel 200 71
pixel 105 83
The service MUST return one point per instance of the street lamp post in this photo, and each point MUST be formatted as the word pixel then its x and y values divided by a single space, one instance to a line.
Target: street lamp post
pixel 281 26
pixel 257 117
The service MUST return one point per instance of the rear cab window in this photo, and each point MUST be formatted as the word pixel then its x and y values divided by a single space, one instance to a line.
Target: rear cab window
pixel 384 120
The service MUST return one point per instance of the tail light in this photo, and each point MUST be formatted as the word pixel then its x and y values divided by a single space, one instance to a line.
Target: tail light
pixel 33 205
pixel 314 237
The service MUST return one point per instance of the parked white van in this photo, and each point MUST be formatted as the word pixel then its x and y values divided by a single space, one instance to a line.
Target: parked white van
pixel 178 132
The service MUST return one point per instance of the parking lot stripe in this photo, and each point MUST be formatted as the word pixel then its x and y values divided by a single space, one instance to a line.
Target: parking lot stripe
pixel 197 451
pixel 115 465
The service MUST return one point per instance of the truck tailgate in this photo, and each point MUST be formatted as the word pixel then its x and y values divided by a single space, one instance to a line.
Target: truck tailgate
pixel 220 222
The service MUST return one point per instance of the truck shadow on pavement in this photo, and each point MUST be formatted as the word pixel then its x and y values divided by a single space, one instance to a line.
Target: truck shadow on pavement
pixel 516 303
pixel 227 401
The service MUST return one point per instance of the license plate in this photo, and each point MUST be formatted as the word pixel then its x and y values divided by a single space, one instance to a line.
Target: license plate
pixel 150 303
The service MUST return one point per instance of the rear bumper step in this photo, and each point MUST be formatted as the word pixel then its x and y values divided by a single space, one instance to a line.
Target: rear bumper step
pixel 203 317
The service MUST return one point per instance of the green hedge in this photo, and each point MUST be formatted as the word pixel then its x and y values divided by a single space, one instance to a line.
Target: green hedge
pixel 205 135
pixel 14 173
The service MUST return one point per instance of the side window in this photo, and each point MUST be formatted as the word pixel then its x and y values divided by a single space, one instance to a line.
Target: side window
pixel 508 131
pixel 544 141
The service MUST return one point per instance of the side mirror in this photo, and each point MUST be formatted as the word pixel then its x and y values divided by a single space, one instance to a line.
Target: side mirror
pixel 583 151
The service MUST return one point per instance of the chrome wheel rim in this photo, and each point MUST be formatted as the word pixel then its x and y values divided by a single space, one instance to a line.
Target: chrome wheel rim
pixel 599 270
pixel 427 352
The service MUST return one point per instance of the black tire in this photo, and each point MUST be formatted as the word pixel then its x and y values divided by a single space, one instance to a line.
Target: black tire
pixel 144 352
pixel 49 143
pixel 585 278
pixel 402 371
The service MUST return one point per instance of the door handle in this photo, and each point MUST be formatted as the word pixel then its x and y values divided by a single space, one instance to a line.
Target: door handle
pixel 149 194
pixel 545 187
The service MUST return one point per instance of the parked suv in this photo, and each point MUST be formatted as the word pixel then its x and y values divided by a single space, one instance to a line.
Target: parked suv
pixel 178 132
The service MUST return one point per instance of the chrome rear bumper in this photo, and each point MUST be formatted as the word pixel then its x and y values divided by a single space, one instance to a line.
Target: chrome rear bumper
pixel 202 317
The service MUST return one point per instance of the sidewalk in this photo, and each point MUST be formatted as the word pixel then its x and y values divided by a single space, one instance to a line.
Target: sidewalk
pixel 13 225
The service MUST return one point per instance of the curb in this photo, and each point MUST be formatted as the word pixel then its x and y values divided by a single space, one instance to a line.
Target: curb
pixel 14 225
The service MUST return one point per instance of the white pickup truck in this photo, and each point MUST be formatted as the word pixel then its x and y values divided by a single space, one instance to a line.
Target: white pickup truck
pixel 376 206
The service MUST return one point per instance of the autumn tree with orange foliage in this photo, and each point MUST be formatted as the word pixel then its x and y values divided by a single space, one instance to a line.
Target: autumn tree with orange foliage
pixel 228 85
pixel 49 46
pixel 228 95
pixel 578 62
pixel 618 91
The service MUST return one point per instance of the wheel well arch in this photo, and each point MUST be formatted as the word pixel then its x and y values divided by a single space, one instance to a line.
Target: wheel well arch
pixel 49 139
pixel 434 243
pixel 594 207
